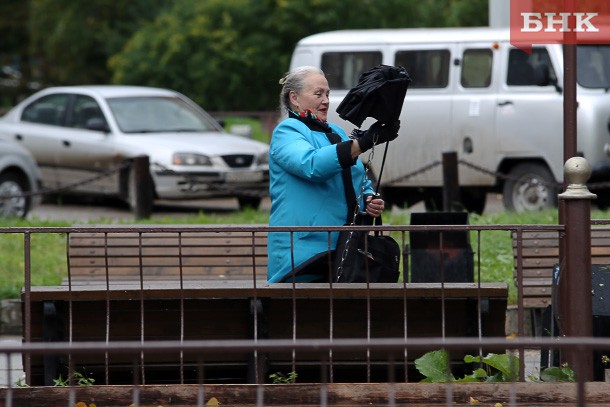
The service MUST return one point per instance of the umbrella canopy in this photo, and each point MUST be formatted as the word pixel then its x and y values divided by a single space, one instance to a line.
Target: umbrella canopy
pixel 379 94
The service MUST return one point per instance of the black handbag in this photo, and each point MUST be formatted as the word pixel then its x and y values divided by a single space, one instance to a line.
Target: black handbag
pixel 362 257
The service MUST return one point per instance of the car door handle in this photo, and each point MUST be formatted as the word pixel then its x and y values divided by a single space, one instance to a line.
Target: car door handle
pixel 505 103
pixel 66 143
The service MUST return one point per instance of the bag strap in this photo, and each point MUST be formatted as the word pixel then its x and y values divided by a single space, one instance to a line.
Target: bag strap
pixel 348 189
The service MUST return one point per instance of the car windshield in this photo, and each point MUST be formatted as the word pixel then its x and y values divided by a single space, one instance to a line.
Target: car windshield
pixel 593 66
pixel 151 114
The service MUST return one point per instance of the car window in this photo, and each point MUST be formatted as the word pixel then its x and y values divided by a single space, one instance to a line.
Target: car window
pixel 158 114
pixel 46 110
pixel 522 67
pixel 427 68
pixel 85 110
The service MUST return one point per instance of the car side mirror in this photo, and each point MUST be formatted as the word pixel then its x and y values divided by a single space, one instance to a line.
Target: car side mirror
pixel 97 124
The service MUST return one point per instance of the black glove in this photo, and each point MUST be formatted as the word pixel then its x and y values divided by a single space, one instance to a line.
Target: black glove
pixel 378 133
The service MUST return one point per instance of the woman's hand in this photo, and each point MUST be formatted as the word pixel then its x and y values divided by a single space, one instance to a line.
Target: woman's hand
pixel 374 206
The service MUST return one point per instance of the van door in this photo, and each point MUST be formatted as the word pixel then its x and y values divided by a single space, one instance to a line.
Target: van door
pixel 529 122
pixel 473 121
pixel 409 173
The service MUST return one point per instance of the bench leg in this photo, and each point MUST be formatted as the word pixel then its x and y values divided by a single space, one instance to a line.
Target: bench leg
pixel 257 362
pixel 51 332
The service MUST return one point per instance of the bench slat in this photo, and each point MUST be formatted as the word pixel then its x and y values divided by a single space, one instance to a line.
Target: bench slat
pixel 540 253
pixel 204 255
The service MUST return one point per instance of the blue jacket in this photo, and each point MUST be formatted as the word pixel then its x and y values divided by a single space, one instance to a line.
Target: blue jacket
pixel 306 189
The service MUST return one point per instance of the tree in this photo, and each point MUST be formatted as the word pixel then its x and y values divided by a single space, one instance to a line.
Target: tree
pixel 14 63
pixel 229 55
pixel 71 41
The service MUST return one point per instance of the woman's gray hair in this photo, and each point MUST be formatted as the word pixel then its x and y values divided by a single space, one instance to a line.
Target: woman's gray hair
pixel 294 81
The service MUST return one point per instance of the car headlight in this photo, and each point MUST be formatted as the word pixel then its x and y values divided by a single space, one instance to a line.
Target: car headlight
pixel 190 159
pixel 263 159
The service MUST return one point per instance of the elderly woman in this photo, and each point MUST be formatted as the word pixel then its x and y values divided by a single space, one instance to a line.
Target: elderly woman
pixel 306 183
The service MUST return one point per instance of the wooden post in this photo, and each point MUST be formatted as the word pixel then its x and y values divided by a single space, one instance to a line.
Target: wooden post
pixel 576 320
pixel 451 184
pixel 143 188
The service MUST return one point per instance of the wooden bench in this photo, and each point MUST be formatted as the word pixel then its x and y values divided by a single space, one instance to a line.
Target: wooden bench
pixel 230 309
pixel 122 257
pixel 540 253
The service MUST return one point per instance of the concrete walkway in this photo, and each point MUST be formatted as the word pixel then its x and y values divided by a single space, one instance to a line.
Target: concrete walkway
pixel 11 367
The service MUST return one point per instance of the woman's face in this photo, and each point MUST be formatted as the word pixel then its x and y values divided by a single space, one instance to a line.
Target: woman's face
pixel 314 96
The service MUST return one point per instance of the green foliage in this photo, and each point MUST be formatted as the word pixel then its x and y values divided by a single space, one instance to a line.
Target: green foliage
pixel 558 374
pixel 279 378
pixel 230 55
pixel 499 367
pixel 72 40
pixel 77 377
pixel 434 366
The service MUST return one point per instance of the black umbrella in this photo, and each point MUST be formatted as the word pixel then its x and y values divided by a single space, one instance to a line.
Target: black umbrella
pixel 379 94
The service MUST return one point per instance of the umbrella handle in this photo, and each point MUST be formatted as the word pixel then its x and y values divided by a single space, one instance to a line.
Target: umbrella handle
pixel 385 152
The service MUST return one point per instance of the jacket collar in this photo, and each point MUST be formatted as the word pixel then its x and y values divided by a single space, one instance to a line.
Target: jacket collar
pixel 311 121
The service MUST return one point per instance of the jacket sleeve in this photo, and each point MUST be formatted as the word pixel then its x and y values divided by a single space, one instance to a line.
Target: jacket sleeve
pixel 304 153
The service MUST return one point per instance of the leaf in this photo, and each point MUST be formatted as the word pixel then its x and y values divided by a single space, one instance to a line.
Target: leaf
pixel 507 364
pixel 80 404
pixel 213 402
pixel 553 374
pixel 473 401
pixel 435 366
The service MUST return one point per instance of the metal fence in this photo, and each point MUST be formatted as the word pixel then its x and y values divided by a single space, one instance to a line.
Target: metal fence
pixel 224 336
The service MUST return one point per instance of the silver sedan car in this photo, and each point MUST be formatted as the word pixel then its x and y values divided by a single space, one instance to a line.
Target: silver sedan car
pixel 19 181
pixel 83 136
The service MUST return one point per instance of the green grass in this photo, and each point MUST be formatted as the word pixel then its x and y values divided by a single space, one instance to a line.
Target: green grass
pixel 48 255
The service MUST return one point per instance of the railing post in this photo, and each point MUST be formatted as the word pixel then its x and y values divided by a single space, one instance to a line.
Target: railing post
pixel 576 319
pixel 451 184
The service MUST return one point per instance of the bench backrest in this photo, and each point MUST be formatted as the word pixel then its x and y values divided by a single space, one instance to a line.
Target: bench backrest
pixel 540 252
pixel 165 255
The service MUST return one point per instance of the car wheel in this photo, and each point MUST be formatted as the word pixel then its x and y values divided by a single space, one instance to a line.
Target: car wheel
pixel 529 187
pixel 17 205
pixel 144 204
pixel 249 201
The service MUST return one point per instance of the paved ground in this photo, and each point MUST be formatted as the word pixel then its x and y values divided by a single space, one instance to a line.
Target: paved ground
pixel 13 371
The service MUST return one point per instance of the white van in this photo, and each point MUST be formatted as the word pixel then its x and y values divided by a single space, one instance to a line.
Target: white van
pixel 499 108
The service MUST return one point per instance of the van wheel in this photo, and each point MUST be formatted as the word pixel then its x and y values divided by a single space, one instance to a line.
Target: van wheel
pixel 529 187
pixel 17 205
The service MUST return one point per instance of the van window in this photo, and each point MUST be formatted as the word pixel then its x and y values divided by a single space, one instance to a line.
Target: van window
pixel 522 67
pixel 343 69
pixel 476 68
pixel 593 66
pixel 427 68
